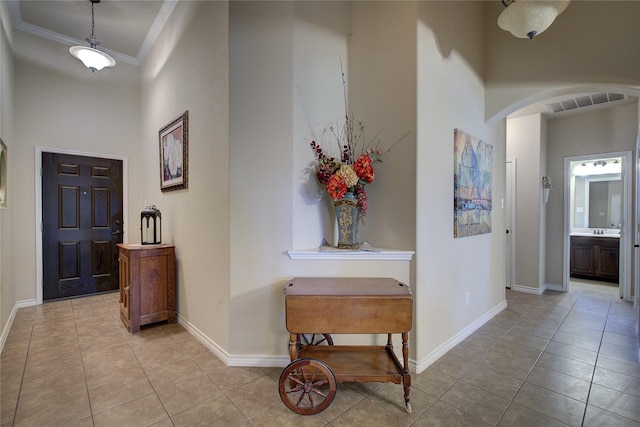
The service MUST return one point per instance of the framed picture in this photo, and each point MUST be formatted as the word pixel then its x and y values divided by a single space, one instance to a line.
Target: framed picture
pixel 174 154
pixel 472 188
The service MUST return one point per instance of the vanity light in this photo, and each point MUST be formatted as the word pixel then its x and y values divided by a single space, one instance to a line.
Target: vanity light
pixel 528 18
pixel 91 57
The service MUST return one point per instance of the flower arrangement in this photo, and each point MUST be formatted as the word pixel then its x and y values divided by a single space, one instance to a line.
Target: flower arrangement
pixel 547 182
pixel 354 169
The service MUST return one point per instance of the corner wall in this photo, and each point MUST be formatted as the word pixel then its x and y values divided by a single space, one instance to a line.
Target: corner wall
pixel 188 69
pixel 451 95
pixel 525 142
pixel 7 79
pixel 611 130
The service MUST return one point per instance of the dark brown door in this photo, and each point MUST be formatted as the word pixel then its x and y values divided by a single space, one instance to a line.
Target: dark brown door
pixel 82 222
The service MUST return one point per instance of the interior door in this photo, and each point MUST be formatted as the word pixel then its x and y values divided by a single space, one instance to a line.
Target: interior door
pixel 81 224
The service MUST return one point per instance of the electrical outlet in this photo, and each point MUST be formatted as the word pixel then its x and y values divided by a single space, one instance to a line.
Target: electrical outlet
pixel 466 299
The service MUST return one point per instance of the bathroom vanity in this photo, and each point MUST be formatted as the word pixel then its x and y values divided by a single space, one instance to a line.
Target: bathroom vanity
pixel 595 257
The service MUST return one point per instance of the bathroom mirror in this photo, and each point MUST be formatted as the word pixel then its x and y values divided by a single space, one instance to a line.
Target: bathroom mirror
pixel 598 201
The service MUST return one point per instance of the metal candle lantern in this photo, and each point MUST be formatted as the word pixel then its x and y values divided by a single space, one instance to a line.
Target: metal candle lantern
pixel 150 234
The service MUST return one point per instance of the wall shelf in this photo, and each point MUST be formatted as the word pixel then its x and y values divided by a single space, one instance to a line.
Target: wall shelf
pixel 380 255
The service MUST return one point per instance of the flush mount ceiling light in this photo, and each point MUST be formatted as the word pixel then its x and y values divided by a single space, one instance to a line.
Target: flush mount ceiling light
pixel 91 57
pixel 528 18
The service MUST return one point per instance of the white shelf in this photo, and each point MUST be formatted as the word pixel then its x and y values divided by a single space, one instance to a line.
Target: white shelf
pixel 381 255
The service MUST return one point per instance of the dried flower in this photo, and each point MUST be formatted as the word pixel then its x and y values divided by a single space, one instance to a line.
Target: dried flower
pixel 547 182
pixel 354 169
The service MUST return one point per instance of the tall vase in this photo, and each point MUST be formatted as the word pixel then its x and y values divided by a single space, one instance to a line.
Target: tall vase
pixel 347 219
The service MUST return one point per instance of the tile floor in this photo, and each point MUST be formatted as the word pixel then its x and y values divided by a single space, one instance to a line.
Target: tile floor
pixel 551 360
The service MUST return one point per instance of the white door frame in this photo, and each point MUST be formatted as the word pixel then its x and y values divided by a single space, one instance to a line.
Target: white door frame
pixel 627 227
pixel 38 201
pixel 511 194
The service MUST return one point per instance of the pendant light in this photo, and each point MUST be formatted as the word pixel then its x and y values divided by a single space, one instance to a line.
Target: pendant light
pixel 528 18
pixel 91 57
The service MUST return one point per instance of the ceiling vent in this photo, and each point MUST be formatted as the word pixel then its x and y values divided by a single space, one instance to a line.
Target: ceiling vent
pixel 583 101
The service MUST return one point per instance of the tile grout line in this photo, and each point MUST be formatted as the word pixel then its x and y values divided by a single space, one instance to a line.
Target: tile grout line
pixel 24 369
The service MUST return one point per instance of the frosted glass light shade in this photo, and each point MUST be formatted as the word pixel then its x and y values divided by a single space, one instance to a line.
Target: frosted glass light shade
pixel 528 18
pixel 93 59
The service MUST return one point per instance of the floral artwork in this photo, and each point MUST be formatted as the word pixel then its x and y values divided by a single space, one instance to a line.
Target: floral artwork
pixel 472 199
pixel 173 154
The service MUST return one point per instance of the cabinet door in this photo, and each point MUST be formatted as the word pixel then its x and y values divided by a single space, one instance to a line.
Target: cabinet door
pixel 125 287
pixel 608 263
pixel 583 259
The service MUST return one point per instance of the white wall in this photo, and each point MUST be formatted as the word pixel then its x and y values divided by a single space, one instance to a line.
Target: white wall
pixel 188 69
pixel 451 95
pixel 525 141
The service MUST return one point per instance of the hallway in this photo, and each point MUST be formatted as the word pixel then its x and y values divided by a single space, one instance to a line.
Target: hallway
pixel 550 360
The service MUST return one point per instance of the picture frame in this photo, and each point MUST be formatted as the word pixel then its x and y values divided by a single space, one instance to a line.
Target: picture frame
pixel 174 154
pixel 3 175
pixel 472 185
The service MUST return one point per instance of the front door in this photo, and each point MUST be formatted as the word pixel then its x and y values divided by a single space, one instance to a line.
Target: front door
pixel 81 224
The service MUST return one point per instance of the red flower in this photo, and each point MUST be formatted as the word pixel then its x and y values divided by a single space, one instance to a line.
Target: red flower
pixel 364 169
pixel 336 187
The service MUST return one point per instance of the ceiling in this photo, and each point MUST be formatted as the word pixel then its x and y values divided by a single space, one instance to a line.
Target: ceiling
pixel 126 29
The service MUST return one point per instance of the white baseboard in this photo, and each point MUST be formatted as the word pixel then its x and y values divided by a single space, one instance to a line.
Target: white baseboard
pixel 552 287
pixel 457 339
pixel 528 289
pixel 12 316
pixel 205 340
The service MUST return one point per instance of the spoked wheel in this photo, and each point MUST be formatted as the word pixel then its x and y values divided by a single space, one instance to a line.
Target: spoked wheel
pixel 316 339
pixel 307 386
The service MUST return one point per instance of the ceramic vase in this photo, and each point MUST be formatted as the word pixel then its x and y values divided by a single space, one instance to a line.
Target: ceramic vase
pixel 347 221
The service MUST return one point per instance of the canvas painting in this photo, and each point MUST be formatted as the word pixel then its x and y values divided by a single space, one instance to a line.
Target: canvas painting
pixel 472 200
pixel 174 160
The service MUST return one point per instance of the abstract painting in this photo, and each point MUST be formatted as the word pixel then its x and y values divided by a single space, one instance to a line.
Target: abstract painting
pixel 473 163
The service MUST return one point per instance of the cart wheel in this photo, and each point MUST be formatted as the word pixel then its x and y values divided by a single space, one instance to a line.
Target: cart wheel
pixel 316 339
pixel 307 386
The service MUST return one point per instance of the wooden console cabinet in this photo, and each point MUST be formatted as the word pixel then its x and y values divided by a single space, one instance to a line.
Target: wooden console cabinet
pixel 595 258
pixel 147 284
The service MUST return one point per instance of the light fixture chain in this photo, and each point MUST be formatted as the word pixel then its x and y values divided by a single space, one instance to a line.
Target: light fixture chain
pixel 93 21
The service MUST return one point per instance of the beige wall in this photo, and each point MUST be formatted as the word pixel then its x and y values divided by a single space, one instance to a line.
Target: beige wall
pixel 590 43
pixel 7 292
pixel 606 131
pixel 55 111
pixel 450 94
pixel 258 78
pixel 525 143
pixel 187 69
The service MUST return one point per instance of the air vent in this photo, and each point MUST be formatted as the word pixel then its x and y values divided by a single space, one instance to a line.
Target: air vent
pixel 583 101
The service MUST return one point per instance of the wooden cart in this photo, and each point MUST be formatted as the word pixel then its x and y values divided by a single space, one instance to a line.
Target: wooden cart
pixel 318 307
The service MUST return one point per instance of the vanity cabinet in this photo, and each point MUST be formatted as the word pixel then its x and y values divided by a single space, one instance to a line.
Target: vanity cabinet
pixel 595 258
pixel 147 284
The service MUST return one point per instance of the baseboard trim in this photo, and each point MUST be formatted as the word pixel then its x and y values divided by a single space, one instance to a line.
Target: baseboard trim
pixel 457 339
pixel 12 316
pixel 528 289
pixel 551 287
pixel 205 340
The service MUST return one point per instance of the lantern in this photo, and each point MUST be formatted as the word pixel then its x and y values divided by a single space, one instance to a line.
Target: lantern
pixel 150 226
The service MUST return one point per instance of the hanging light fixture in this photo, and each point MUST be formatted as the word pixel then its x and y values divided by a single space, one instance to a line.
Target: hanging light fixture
pixel 528 18
pixel 91 57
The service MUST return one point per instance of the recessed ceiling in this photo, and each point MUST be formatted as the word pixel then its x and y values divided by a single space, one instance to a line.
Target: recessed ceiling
pixel 125 29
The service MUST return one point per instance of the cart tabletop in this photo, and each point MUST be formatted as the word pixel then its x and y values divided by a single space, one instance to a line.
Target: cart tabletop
pixel 346 286
pixel 339 305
